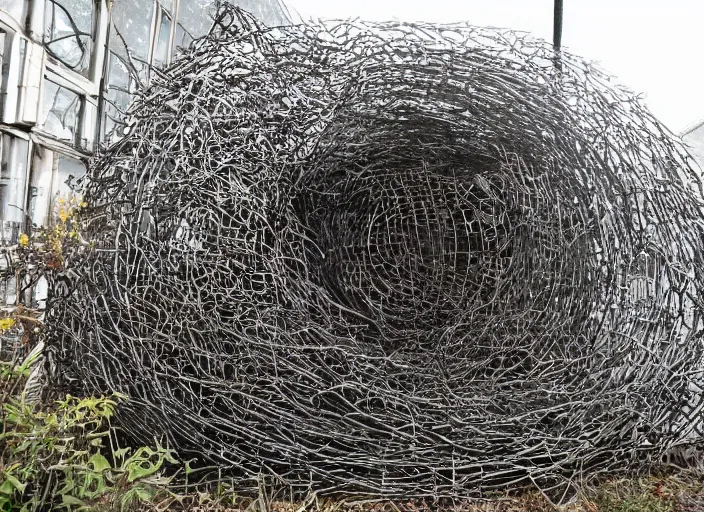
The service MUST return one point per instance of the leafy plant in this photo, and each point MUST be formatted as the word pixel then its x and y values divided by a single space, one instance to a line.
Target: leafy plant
pixel 67 458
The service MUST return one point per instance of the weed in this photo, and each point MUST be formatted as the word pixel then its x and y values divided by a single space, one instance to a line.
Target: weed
pixel 57 459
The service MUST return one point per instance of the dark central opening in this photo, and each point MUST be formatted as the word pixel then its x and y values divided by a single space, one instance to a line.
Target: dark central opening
pixel 409 249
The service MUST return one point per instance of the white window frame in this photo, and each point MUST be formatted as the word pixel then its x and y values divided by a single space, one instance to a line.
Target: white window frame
pixel 12 23
pixel 89 86
pixel 28 164
pixel 15 95
pixel 43 174
pixel 158 12
pixel 86 127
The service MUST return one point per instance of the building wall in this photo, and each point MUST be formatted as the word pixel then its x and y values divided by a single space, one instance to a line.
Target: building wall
pixel 69 70
pixel 694 138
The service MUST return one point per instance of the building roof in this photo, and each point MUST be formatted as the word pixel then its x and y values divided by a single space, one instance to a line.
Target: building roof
pixel 692 127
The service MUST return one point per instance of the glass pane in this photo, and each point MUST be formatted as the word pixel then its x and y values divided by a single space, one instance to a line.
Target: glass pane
pixel 68 171
pixel 131 28
pixel 118 75
pixel 120 100
pixel 23 52
pixel 2 58
pixel 60 111
pixel 8 295
pixel 54 177
pixel 68 32
pixel 15 8
pixel 41 179
pixel 161 50
pixel 13 181
pixel 113 124
pixel 88 128
pixel 267 11
pixel 196 16
pixel 120 89
pixel 181 39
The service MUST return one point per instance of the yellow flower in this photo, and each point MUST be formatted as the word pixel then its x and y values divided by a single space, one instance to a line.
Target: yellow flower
pixel 24 240
pixel 63 214
pixel 6 323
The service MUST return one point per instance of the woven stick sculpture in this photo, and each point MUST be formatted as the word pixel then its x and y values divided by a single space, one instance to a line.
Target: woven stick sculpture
pixel 391 259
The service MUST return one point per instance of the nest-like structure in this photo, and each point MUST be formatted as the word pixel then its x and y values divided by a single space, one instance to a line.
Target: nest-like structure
pixel 389 258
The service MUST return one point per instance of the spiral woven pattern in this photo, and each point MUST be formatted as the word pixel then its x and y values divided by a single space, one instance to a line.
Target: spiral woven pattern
pixel 394 259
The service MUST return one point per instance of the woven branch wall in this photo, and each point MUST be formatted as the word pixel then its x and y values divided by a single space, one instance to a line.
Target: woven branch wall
pixel 388 258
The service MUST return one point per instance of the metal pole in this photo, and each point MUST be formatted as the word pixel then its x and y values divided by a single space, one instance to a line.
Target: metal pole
pixel 557 26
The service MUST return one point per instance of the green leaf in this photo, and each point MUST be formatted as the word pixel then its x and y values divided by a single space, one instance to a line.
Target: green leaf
pixel 32 359
pixel 169 455
pixel 141 469
pixel 23 446
pixel 94 435
pixel 68 487
pixel 5 504
pixel 204 497
pixel 6 488
pixel 99 463
pixel 158 481
pixel 119 454
pixel 68 501
pixel 12 483
pixel 134 494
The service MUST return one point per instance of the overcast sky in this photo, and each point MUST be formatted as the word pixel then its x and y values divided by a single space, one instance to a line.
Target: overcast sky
pixel 654 47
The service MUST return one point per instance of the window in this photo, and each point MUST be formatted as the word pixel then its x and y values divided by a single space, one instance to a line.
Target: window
pixel 14 154
pixel 3 62
pixel 9 67
pixel 69 32
pixel 131 54
pixel 195 17
pixel 54 176
pixel 181 39
pixel 114 115
pixel 15 8
pixel 23 54
pixel 269 13
pixel 194 20
pixel 88 126
pixel 121 86
pixel 163 35
pixel 68 171
pixel 61 111
pixel 130 34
